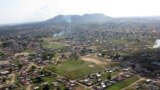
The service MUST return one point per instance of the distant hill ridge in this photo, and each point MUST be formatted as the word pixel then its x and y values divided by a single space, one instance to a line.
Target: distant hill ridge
pixel 78 19
pixel 89 18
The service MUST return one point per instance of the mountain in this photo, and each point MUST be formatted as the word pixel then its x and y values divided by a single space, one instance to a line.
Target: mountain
pixel 99 20
pixel 86 18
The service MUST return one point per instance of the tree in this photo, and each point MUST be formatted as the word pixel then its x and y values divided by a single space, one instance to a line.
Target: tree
pixel 46 87
pixel 109 76
pixel 133 66
pixel 58 88
pixel 103 53
pixel 2 55
pixel 74 56
pixel 37 80
pixel 33 68
pixel 19 66
pixel 10 70
pixel 83 51
pixel 3 80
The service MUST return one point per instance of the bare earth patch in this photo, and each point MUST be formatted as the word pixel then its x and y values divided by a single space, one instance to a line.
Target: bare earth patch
pixel 22 53
pixel 79 88
pixel 95 60
pixel 91 66
pixel 4 62
pixel 92 60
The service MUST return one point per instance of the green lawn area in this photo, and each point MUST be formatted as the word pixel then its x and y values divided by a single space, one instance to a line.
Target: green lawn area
pixel 124 83
pixel 49 79
pixel 55 45
pixel 119 41
pixel 74 69
pixel 29 50
pixel 50 43
pixel 125 41
pixel 134 86
pixel 49 38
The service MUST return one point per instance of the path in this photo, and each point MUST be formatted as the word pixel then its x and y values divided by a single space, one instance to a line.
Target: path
pixel 133 84
pixel 28 87
pixel 13 78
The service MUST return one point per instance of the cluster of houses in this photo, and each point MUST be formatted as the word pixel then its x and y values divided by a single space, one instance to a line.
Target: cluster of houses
pixel 9 87
pixel 34 75
pixel 118 44
pixel 91 79
pixel 59 83
pixel 107 83
pixel 79 44
pixel 148 84
pixel 5 67
pixel 147 63
pixel 69 84
pixel 5 71
pixel 5 79
pixel 95 78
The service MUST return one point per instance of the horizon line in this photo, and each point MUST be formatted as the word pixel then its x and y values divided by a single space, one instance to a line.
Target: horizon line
pixel 37 21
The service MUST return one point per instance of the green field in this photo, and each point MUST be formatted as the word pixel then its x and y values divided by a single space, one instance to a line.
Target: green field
pixel 50 43
pixel 74 69
pixel 49 79
pixel 123 84
pixel 120 41
pixel 49 38
pixel 29 50
pixel 55 45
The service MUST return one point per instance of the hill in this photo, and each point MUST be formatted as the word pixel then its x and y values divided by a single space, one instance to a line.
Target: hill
pixel 86 18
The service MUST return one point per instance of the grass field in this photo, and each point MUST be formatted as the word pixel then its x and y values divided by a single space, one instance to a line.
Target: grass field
pixel 133 87
pixel 49 38
pixel 50 43
pixel 120 41
pixel 74 69
pixel 123 84
pixel 29 50
pixel 49 79
pixel 55 45
pixel 133 43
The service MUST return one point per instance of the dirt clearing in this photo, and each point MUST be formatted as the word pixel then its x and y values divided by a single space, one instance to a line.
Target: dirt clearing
pixel 95 60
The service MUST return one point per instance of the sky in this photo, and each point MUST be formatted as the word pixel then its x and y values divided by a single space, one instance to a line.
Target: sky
pixel 21 11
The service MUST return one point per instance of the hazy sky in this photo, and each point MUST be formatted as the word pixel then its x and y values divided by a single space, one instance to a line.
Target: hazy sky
pixel 17 11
